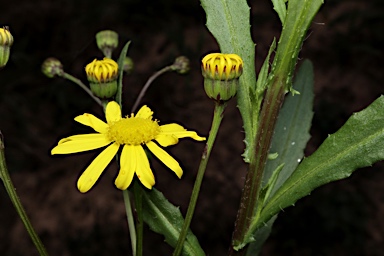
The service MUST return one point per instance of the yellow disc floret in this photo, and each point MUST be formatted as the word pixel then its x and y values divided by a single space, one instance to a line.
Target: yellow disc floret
pixel 133 131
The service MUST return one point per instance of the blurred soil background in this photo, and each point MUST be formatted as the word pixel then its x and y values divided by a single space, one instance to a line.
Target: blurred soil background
pixel 345 44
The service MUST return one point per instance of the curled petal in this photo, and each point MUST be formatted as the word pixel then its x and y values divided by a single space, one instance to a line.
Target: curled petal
pixel 80 143
pixel 112 112
pixel 179 132
pixel 92 121
pixel 145 112
pixel 164 157
pixel 94 170
pixel 128 163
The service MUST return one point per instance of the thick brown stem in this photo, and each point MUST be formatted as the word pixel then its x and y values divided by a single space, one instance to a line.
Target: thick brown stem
pixel 249 207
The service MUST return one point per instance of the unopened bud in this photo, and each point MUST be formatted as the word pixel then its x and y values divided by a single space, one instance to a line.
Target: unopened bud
pixel 6 41
pixel 107 41
pixel 128 65
pixel 52 67
pixel 181 65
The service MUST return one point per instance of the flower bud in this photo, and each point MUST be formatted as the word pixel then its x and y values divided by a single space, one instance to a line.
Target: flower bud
pixel 181 65
pixel 6 41
pixel 52 67
pixel 128 65
pixel 102 76
pixel 107 41
pixel 221 75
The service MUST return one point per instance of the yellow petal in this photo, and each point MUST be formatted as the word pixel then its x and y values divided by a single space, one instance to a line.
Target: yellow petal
pixel 112 112
pixel 179 132
pixel 164 157
pixel 143 170
pixel 144 112
pixel 80 143
pixel 166 140
pixel 128 163
pixel 94 170
pixel 92 121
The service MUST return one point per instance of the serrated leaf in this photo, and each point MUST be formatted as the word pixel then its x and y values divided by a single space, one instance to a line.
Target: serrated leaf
pixel 120 62
pixel 261 236
pixel 359 143
pixel 228 21
pixel 281 9
pixel 166 219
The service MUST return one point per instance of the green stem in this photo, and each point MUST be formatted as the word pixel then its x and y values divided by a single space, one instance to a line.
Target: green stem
pixel 83 86
pixel 249 207
pixel 138 190
pixel 4 175
pixel 148 83
pixel 131 222
pixel 217 117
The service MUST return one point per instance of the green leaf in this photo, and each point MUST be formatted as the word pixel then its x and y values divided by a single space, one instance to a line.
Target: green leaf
pixel 165 218
pixel 292 127
pixel 359 143
pixel 298 18
pixel 290 139
pixel 281 9
pixel 261 234
pixel 120 62
pixel 261 84
pixel 228 21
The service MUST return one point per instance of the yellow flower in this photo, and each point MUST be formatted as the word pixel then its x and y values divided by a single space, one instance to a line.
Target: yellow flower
pixel 132 132
pixel 220 66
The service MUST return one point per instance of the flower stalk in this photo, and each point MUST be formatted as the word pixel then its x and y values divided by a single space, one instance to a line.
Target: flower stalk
pixel 217 118
pixel 4 175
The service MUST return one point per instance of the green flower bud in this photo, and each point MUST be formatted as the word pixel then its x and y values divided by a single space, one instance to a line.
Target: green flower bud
pixel 102 76
pixel 181 65
pixel 52 67
pixel 128 65
pixel 221 75
pixel 6 41
pixel 107 41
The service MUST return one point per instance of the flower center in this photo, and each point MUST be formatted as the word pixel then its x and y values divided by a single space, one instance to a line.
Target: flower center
pixel 133 131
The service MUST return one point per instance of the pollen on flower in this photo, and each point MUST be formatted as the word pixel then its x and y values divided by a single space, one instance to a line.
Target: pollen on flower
pixel 133 131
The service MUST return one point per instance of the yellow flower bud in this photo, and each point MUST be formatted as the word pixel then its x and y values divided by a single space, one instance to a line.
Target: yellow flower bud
pixel 6 41
pixel 102 76
pixel 221 66
pixel 221 75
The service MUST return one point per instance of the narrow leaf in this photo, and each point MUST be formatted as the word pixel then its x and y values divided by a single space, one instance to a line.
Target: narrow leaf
pixel 228 21
pixel 281 9
pixel 290 139
pixel 292 127
pixel 261 84
pixel 120 62
pixel 359 143
pixel 165 218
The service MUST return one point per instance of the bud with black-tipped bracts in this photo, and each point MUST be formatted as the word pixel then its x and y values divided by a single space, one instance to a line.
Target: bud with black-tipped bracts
pixel 102 76
pixel 221 75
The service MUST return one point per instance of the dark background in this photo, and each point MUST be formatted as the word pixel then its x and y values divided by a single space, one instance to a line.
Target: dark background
pixel 345 44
